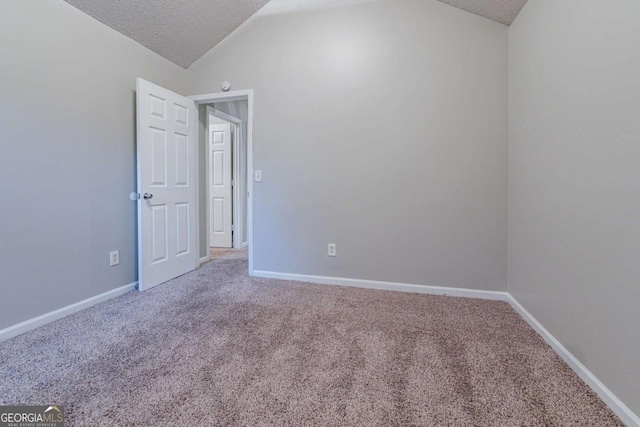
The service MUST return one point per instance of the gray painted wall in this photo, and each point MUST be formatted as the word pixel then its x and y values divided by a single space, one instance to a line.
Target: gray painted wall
pixel 67 106
pixel 379 126
pixel 388 137
pixel 574 234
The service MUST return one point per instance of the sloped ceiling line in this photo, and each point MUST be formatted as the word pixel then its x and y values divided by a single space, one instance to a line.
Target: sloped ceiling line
pixel 184 30
pixel 502 11
pixel 179 30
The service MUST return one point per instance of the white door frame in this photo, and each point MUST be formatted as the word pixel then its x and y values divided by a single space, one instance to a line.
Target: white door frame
pixel 237 204
pixel 238 95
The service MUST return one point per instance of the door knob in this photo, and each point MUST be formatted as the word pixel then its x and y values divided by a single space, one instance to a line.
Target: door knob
pixel 147 196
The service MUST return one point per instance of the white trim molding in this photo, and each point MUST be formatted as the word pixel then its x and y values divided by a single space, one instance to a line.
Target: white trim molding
pixel 387 286
pixel 234 95
pixel 205 259
pixel 607 396
pixel 52 316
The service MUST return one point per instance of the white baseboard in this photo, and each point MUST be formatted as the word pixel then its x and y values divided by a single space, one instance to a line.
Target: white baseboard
pixel 387 286
pixel 610 399
pixel 52 316
pixel 205 259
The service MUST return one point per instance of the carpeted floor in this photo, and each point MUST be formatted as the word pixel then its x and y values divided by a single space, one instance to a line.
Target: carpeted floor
pixel 216 347
pixel 217 253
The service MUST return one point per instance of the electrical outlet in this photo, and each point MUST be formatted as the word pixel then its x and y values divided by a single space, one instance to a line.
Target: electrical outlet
pixel 332 250
pixel 114 258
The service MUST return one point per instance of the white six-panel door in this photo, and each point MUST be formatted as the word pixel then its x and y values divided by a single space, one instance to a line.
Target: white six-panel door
pixel 220 190
pixel 166 167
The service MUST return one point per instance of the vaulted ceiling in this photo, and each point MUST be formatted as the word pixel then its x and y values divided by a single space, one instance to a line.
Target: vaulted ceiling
pixel 503 11
pixel 179 30
pixel 184 30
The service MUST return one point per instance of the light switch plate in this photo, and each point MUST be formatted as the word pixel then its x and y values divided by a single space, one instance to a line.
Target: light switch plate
pixel 258 176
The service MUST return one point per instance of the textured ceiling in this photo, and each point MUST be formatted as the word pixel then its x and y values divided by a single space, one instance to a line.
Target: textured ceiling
pixel 179 30
pixel 503 11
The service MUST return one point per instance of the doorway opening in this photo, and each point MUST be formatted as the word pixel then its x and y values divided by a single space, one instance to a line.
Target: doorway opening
pixel 226 175
pixel 224 163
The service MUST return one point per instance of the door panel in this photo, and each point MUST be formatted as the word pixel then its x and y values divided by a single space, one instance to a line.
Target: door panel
pixel 182 160
pixel 158 157
pixel 159 230
pixel 182 230
pixel 166 158
pixel 220 192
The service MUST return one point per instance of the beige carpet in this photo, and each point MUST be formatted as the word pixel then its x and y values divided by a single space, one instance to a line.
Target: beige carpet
pixel 217 253
pixel 215 347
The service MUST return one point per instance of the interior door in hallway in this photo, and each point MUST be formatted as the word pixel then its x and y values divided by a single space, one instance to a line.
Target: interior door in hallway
pixel 220 193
